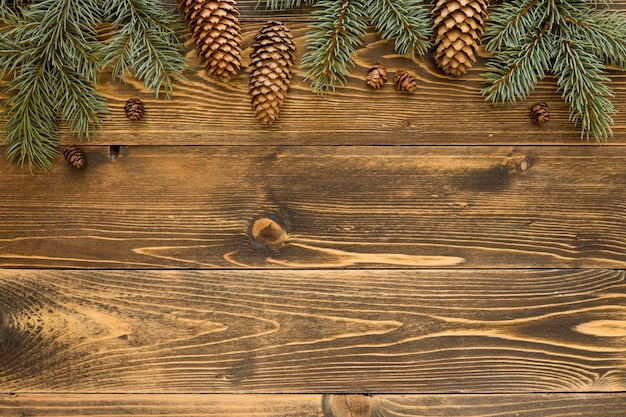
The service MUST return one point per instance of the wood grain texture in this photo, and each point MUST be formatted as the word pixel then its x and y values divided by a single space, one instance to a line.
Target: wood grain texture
pixel 390 207
pixel 407 331
pixel 445 110
pixel 180 405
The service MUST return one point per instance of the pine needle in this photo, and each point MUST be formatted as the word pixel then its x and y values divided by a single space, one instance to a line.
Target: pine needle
pixel 571 39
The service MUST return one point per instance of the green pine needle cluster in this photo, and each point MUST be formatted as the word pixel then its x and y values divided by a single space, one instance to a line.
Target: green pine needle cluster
pixel 50 58
pixel 338 27
pixel 571 39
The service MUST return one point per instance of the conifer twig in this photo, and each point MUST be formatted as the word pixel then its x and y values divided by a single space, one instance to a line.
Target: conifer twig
pixel 145 45
pixel 573 40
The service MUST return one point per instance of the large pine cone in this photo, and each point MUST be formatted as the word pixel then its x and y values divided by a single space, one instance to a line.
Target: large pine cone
pixel 459 25
pixel 216 31
pixel 271 60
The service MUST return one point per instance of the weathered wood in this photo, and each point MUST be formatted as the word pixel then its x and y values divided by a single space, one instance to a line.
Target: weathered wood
pixel 178 405
pixel 445 110
pixel 402 331
pixel 192 207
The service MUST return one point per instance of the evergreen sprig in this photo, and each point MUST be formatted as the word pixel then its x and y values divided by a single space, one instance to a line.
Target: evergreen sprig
pixel 573 40
pixel 338 27
pixel 50 58
pixel 145 45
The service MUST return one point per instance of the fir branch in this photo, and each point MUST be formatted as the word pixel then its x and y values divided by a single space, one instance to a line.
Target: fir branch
pixel 336 28
pixel 575 42
pixel 146 44
pixel 54 64
pixel 406 20
pixel 584 87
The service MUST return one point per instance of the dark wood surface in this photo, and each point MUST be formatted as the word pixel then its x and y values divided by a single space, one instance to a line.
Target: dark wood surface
pixel 445 256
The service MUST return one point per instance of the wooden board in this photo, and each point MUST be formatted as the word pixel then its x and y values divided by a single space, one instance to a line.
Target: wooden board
pixel 391 207
pixel 178 405
pixel 439 331
pixel 444 110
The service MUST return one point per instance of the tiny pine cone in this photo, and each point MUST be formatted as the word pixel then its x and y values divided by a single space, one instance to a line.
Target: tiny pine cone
pixel 540 113
pixel 134 109
pixel 377 76
pixel 405 82
pixel 74 156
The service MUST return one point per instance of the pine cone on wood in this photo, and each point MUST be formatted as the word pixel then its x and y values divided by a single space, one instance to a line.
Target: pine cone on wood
pixel 458 25
pixel 377 76
pixel 74 156
pixel 271 60
pixel 405 82
pixel 216 31
pixel 540 113
pixel 134 109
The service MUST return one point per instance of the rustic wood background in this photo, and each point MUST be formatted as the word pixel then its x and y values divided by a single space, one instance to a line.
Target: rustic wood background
pixel 442 256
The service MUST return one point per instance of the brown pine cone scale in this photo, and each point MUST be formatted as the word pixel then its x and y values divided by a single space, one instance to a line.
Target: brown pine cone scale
pixel 458 26
pixel 405 82
pixel 74 156
pixel 540 113
pixel 377 76
pixel 134 109
pixel 271 60
pixel 216 31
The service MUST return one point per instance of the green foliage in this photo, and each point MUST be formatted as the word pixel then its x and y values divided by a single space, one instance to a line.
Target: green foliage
pixel 146 43
pixel 338 27
pixel 573 40
pixel 50 58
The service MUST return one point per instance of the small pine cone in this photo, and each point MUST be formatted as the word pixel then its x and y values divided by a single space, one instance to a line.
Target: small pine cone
pixel 458 25
pixel 216 31
pixel 271 60
pixel 405 82
pixel 377 76
pixel 134 109
pixel 540 113
pixel 74 156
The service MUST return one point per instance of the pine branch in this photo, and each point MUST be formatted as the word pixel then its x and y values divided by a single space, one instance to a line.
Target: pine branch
pixel 575 42
pixel 336 28
pixel 584 87
pixel 146 44
pixel 406 20
pixel 53 60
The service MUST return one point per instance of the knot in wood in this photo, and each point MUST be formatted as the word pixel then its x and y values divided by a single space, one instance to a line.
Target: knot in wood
pixel 268 232
pixel 349 405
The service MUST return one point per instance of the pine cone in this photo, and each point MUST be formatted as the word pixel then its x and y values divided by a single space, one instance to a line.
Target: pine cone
pixel 134 109
pixel 540 113
pixel 74 156
pixel 405 82
pixel 377 76
pixel 271 60
pixel 459 25
pixel 216 31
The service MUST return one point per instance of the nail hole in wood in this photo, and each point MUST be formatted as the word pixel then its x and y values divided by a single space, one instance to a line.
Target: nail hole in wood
pixel 114 151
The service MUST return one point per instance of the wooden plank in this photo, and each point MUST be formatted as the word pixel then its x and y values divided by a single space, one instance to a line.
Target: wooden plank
pixel 445 110
pixel 391 207
pixel 179 405
pixel 369 331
